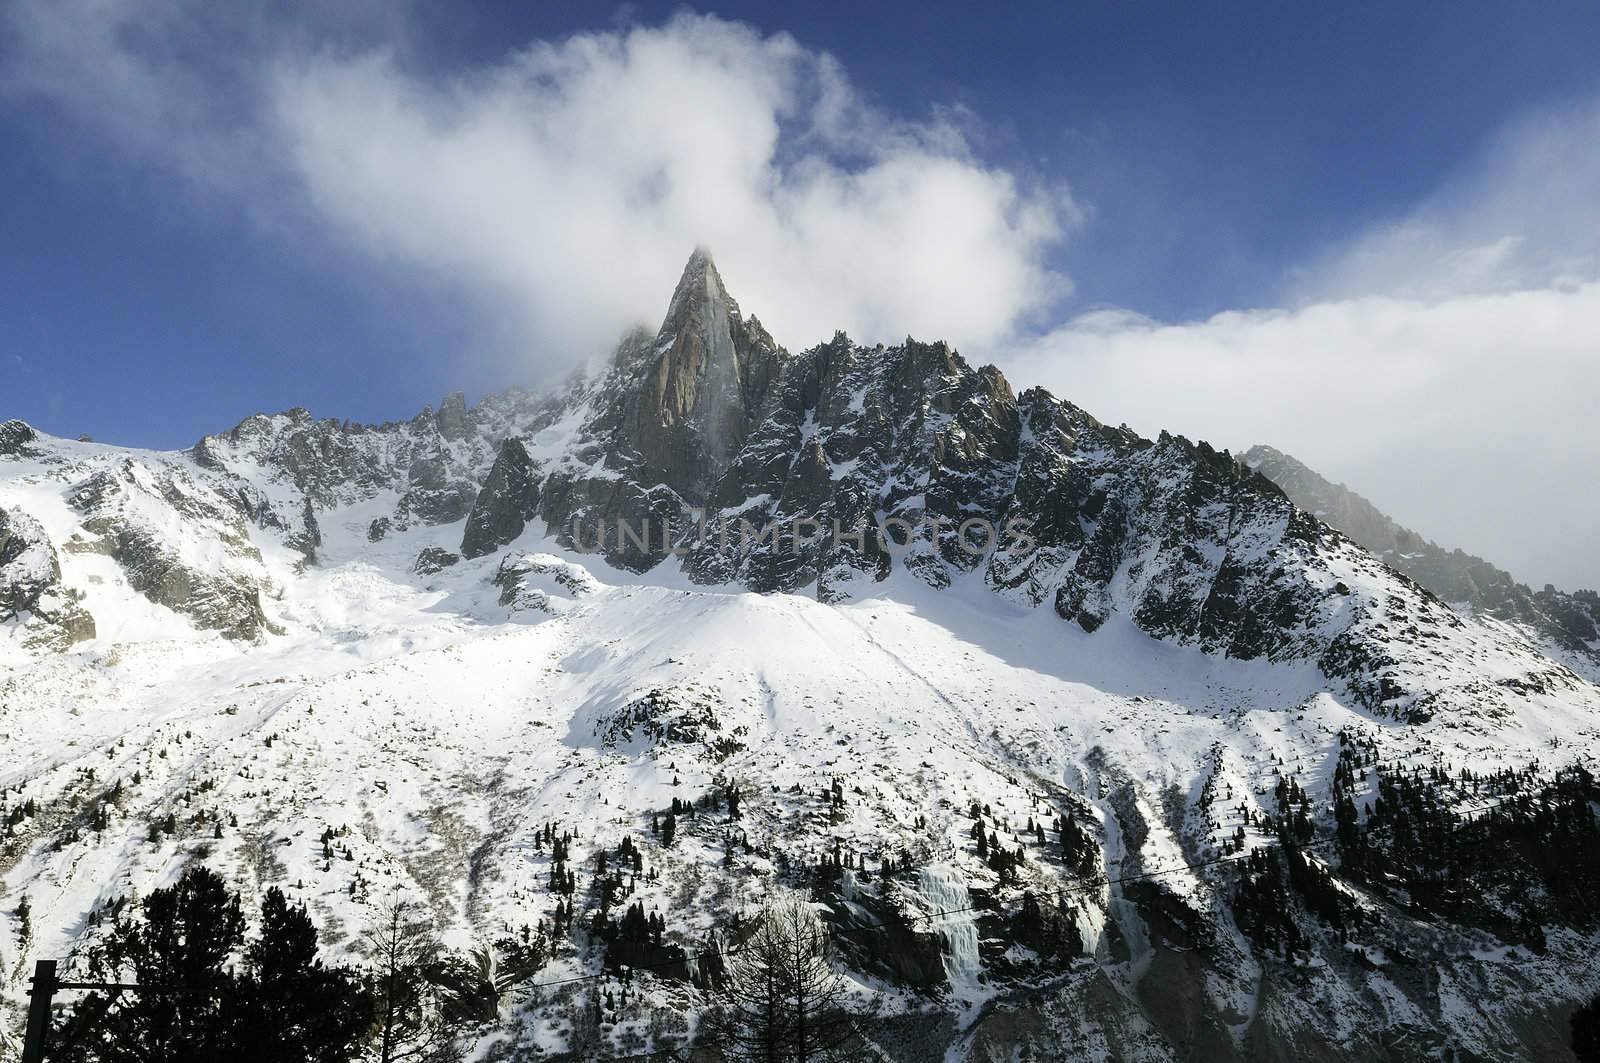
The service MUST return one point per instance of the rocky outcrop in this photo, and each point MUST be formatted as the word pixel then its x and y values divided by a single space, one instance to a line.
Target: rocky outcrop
pixel 309 535
pixel 671 717
pixel 694 393
pixel 434 559
pixel 541 583
pixel 662 424
pixel 179 543
pixel 453 420
pixel 31 592
pixel 509 499
pixel 16 438
pixel 435 494
pixel 905 438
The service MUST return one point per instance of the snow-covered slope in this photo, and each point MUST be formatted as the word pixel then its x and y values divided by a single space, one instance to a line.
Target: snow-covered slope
pixel 1566 624
pixel 369 662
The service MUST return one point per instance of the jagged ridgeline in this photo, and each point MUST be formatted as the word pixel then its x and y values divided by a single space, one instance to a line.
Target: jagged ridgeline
pixel 1080 744
pixel 1566 623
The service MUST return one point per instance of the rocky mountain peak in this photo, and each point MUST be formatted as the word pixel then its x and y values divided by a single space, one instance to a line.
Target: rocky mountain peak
pixel 694 393
pixel 1568 623
pixel 699 286
pixel 452 416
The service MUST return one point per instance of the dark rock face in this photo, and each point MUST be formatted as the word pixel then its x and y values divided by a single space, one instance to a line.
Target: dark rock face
pixel 434 559
pixel 662 424
pixel 694 392
pixel 908 432
pixel 310 534
pixel 1571 621
pixel 30 587
pixel 453 419
pixel 509 499
pixel 15 437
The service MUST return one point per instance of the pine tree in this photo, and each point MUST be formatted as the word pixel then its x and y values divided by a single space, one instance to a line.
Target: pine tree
pixel 410 1026
pixel 785 1001
pixel 288 999
pixel 184 937
pixel 284 1004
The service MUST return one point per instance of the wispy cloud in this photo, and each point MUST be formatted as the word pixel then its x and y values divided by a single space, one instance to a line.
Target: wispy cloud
pixel 1446 363
pixel 151 77
pixel 1524 214
pixel 570 180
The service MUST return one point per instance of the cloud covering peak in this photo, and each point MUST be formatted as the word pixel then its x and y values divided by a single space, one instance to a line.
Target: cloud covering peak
pixel 1442 360
pixel 561 186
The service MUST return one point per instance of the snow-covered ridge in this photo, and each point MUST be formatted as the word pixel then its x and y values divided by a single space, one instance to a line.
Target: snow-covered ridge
pixel 1565 624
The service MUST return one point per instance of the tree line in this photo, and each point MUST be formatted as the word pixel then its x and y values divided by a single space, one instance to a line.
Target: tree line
pixel 209 990
pixel 213 990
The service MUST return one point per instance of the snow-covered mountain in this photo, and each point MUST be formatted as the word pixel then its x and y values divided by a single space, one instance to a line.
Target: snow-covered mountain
pixel 1565 623
pixel 1136 662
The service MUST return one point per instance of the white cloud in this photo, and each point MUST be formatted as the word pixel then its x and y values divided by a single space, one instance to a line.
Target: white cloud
pixel 564 186
pixel 570 182
pixel 1474 419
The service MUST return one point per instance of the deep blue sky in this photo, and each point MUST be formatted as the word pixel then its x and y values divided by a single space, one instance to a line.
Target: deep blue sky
pixel 1216 145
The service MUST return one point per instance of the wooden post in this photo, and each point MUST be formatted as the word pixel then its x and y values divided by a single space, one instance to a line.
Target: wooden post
pixel 44 988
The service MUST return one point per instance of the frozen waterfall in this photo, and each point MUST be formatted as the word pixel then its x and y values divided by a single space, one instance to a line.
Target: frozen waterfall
pixel 946 892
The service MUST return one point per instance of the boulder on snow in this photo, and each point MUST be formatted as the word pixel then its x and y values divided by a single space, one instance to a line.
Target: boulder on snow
pixel 434 559
pixel 542 583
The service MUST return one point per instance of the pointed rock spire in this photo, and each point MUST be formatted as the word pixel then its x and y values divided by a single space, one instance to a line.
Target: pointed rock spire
pixel 699 288
pixel 509 499
pixel 452 416
pixel 707 375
